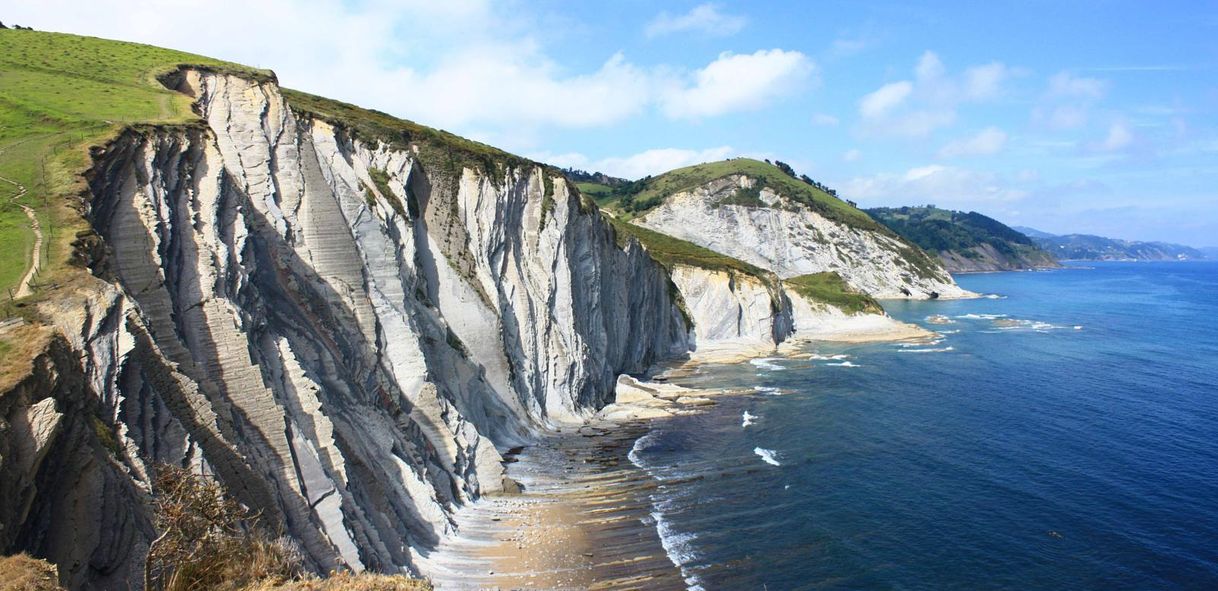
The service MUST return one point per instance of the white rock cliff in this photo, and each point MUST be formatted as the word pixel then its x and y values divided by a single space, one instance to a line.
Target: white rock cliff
pixel 790 239
pixel 346 360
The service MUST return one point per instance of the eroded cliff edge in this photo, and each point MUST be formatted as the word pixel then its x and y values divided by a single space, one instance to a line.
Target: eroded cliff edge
pixel 344 330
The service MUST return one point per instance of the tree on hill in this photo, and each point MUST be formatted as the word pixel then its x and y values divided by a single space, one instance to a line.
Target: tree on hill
pixel 783 166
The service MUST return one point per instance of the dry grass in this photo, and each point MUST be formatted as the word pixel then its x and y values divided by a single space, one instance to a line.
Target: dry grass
pixel 25 573
pixel 346 582
pixel 210 542
pixel 18 347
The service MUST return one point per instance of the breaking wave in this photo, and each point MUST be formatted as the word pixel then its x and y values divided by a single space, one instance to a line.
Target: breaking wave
pixel 928 350
pixel 766 363
pixel 767 456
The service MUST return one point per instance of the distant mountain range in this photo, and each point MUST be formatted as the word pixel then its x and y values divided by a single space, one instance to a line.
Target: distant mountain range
pixel 964 241
pixel 1085 247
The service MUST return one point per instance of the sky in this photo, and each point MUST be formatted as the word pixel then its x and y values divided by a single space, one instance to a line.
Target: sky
pixel 1085 116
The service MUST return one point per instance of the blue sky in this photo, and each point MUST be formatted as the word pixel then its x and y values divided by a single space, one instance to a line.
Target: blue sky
pixel 1085 116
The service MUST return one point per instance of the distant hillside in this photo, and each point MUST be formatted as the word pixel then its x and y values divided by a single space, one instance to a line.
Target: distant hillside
pixel 1086 247
pixel 1032 233
pixel 965 242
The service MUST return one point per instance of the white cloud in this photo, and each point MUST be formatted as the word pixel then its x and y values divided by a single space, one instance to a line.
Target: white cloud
pixel 1067 101
pixel 929 67
pixel 987 141
pixel 917 108
pixel 739 82
pixel 943 185
pixel 497 84
pixel 852 155
pixel 824 120
pixel 985 82
pixel 704 18
pixel 888 97
pixel 475 67
pixel 1065 84
pixel 1118 137
pixel 648 162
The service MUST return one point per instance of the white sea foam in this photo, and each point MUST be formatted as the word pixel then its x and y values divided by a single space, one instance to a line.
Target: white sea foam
pixel 930 343
pixel 767 456
pixel 641 444
pixel 844 364
pixel 766 363
pixel 994 296
pixel 767 390
pixel 929 350
pixel 981 316
pixel 677 547
pixel 820 357
pixel 748 419
pixel 1034 325
pixel 949 331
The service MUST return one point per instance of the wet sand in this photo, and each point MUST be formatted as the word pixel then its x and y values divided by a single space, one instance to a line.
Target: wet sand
pixel 581 522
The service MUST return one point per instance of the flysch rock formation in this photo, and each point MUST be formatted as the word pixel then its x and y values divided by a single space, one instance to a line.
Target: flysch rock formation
pixel 346 333
pixel 347 361
pixel 733 310
pixel 791 239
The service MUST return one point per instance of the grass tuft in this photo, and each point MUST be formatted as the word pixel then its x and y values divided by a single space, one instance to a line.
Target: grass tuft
pixel 22 572
pixel 829 288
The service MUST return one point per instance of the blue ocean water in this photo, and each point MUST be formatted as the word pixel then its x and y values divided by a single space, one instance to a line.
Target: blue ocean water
pixel 1064 436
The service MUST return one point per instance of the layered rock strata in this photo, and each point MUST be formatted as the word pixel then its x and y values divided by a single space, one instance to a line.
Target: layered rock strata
pixel 342 334
pixel 789 238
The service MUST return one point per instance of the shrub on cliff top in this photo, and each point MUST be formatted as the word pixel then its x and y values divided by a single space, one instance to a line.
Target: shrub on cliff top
pixel 209 541
pixel 25 573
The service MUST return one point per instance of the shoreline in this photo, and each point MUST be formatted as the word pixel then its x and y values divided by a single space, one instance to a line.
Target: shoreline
pixel 580 522
pixel 584 518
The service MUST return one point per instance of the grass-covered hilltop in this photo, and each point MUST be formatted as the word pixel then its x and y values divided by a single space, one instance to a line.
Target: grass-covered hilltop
pixel 964 241
pixel 631 199
pixel 60 95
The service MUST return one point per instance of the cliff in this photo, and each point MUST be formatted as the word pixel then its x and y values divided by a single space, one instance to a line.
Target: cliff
pixel 965 242
pixel 343 329
pixel 756 213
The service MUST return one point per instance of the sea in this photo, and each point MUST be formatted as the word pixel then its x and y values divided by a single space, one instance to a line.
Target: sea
pixel 1061 434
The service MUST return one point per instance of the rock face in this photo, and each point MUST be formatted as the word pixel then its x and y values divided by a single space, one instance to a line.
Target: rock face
pixel 338 332
pixel 733 310
pixel 790 239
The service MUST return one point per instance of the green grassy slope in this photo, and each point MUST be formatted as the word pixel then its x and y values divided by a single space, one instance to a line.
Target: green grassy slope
pixel 445 150
pixel 674 251
pixel 60 94
pixel 651 192
pixel 830 288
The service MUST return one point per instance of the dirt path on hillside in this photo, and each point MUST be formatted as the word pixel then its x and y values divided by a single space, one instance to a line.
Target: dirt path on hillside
pixel 23 289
